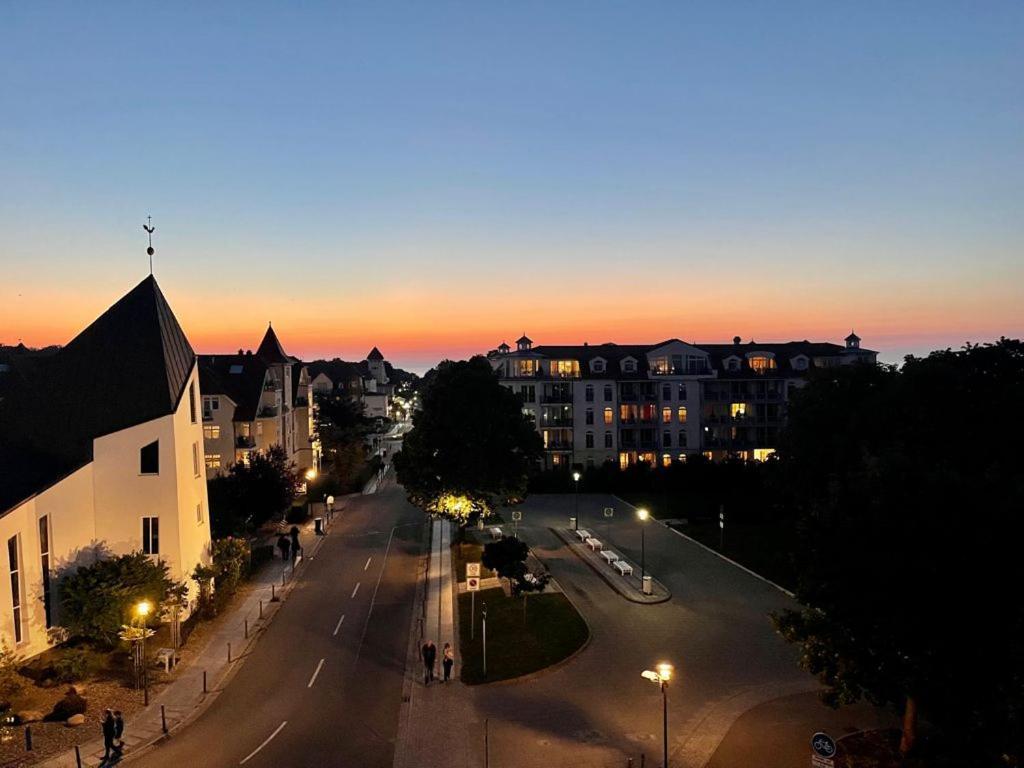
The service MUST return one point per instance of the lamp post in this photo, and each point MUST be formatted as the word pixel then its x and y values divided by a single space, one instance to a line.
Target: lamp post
pixel 142 611
pixel 661 677
pixel 576 498
pixel 642 514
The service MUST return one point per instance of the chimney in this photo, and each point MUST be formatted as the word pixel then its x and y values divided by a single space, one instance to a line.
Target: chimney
pixel 736 340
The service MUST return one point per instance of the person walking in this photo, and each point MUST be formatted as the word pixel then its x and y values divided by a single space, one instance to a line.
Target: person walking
pixel 429 658
pixel 118 732
pixel 284 544
pixel 295 542
pixel 448 661
pixel 108 733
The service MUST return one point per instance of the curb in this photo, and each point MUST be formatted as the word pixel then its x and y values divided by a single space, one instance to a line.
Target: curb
pixel 616 586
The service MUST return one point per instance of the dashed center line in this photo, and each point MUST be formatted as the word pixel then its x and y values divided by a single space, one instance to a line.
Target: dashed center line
pixel 356 589
pixel 338 627
pixel 367 562
pixel 315 673
pixel 252 754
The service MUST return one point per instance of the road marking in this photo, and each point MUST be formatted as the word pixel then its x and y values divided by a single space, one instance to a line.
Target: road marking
pixel 367 562
pixel 373 599
pixel 261 746
pixel 340 621
pixel 356 589
pixel 315 673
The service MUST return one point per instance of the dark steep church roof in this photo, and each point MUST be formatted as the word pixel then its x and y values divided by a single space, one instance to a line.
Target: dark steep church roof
pixel 131 365
pixel 375 355
pixel 271 351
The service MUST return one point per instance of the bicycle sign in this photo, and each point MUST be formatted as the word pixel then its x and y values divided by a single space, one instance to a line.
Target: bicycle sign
pixel 609 511
pixel 823 745
pixel 517 516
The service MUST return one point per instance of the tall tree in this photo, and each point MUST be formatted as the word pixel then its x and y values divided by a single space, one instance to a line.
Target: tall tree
pixel 470 442
pixel 250 495
pixel 911 493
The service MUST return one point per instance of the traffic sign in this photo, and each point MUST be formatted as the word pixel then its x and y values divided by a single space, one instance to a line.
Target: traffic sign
pixel 473 569
pixel 609 511
pixel 473 584
pixel 517 516
pixel 822 762
pixel 823 745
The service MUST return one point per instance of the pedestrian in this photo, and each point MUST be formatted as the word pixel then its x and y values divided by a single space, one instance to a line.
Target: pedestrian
pixel 108 733
pixel 118 732
pixel 448 661
pixel 431 660
pixel 425 654
pixel 295 542
pixel 284 544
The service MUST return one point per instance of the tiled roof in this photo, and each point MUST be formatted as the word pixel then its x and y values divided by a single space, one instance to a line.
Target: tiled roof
pixel 129 366
pixel 238 377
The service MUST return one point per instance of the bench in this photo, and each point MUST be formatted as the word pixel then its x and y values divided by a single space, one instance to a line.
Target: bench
pixel 594 544
pixel 623 567
pixel 609 556
pixel 495 533
pixel 582 534
pixel 168 657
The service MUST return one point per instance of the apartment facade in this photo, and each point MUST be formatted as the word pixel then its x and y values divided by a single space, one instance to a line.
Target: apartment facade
pixel 660 403
pixel 102 455
pixel 252 401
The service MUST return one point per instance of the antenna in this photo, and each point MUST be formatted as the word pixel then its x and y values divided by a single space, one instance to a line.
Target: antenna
pixel 150 229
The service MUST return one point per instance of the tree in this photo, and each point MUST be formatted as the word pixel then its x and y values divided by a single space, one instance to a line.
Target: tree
pixel 507 558
pixel 96 600
pixel 470 442
pixel 910 492
pixel 250 495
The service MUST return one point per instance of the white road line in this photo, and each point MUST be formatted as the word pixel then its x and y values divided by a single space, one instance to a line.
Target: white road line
pixel 315 673
pixel 356 589
pixel 261 746
pixel 367 562
pixel 373 599
pixel 338 627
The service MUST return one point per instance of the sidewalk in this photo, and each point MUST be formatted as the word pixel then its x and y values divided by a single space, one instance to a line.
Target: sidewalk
pixel 433 724
pixel 183 698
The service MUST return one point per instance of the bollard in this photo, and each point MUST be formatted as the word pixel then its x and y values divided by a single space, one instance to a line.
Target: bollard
pixel 78 757
pixel 163 719
pixel 229 653
pixel 204 681
pixel 28 739
pixel 643 760
pixel 284 575
pixel 246 629
pixel 273 593
pixel 261 609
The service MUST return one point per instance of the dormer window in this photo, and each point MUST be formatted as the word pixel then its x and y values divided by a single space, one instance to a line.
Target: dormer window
pixel 598 365
pixel 732 364
pixel 761 362
pixel 800 363
pixel 629 365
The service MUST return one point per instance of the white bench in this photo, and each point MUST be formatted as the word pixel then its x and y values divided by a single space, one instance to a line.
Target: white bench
pixel 594 544
pixel 609 556
pixel 168 657
pixel 623 567
pixel 583 535
pixel 495 533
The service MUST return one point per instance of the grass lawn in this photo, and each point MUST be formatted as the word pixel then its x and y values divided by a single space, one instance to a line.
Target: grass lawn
pixel 467 552
pixel 553 631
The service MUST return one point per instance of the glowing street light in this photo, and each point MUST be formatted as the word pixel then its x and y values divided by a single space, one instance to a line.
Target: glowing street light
pixel 661 677
pixel 142 610
pixel 642 514
pixel 576 498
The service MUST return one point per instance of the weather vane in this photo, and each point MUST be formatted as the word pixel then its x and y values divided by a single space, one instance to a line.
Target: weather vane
pixel 150 229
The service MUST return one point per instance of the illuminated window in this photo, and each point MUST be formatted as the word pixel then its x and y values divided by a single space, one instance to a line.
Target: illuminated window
pixel 666 415
pixel 648 412
pixel 681 414
pixel 762 454
pixel 738 409
pixel 623 460
pixel 211 432
pixel 647 457
pixel 525 368
pixel 607 415
pixel 761 363
pixel 556 460
pixel 682 458
pixel 565 368
pixel 628 413
pixel 666 459
pixel 708 455
pixel 213 461
pixel 661 365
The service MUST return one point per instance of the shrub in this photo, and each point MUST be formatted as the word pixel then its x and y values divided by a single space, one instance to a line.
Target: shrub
pixel 98 599
pixel 73 664
pixel 71 704
pixel 230 561
pixel 11 680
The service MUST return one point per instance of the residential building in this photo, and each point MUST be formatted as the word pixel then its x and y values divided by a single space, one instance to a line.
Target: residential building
pixel 252 401
pixel 659 403
pixel 369 382
pixel 101 455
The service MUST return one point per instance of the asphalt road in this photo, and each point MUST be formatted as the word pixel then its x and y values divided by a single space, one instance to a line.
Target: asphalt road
pixel 323 686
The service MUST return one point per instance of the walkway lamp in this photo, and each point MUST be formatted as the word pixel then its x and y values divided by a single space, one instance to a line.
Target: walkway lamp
pixel 642 514
pixel 661 677
pixel 576 498
pixel 142 610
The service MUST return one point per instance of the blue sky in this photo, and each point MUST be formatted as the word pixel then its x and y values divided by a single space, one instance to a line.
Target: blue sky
pixel 430 177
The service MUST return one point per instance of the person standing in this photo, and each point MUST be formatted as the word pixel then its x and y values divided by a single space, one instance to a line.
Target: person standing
pixel 448 661
pixel 295 542
pixel 108 733
pixel 118 732
pixel 425 655
pixel 284 544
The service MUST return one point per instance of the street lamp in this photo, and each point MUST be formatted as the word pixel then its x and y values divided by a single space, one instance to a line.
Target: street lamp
pixel 142 610
pixel 661 677
pixel 576 498
pixel 643 514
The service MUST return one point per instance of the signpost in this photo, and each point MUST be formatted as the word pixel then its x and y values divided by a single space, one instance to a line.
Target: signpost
pixel 721 528
pixel 484 617
pixel 823 749
pixel 609 512
pixel 517 515
pixel 472 586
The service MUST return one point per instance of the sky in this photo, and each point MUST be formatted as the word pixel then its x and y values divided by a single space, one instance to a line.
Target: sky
pixel 435 178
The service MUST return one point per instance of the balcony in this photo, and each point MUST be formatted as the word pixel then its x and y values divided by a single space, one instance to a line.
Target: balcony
pixel 558 445
pixel 694 369
pixel 556 397
pixel 245 441
pixel 557 421
pixel 267 412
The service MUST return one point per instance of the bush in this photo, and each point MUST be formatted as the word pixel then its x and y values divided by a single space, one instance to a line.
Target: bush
pixel 297 515
pixel 97 600
pixel 11 680
pixel 71 704
pixel 72 665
